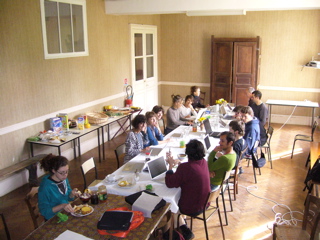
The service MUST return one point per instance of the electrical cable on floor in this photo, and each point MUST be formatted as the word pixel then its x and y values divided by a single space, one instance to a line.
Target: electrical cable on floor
pixel 279 217
pixel 287 119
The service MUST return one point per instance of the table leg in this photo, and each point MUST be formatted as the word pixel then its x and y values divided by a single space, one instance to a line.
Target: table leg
pixel 102 135
pixel 269 120
pixel 313 110
pixel 79 148
pixel 74 149
pixel 99 147
pixel 171 226
pixel 59 151
pixel 31 149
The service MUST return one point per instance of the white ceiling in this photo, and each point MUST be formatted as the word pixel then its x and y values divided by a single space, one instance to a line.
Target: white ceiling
pixel 141 7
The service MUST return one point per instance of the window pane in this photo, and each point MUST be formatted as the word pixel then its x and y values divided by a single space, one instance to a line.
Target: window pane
pixel 138 44
pixel 149 44
pixel 65 28
pixel 150 67
pixel 51 13
pixel 78 34
pixel 139 69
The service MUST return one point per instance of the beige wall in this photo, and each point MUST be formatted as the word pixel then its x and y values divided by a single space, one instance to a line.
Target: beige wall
pixel 289 40
pixel 33 87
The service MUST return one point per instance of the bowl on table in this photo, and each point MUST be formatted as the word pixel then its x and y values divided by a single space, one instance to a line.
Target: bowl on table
pixel 85 197
pixel 182 156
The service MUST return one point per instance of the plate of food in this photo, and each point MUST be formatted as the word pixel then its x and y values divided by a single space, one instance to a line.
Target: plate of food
pixel 82 210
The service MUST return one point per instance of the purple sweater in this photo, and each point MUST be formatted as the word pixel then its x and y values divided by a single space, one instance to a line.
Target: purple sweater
pixel 194 180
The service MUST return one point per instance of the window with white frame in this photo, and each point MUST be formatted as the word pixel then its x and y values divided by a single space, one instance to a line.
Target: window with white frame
pixel 64 28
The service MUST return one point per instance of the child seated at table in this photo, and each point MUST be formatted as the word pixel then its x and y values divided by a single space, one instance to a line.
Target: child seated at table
pixel 55 191
pixel 154 135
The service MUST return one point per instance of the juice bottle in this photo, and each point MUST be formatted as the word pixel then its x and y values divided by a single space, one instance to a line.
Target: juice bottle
pixel 102 193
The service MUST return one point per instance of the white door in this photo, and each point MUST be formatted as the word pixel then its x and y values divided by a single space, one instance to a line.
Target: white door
pixel 144 66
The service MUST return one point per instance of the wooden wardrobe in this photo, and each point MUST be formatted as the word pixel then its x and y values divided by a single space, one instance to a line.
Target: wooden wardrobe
pixel 234 68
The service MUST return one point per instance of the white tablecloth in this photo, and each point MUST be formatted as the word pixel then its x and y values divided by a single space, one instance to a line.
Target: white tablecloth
pixel 171 195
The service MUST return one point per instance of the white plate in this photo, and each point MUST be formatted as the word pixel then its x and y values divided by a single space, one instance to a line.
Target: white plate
pixel 126 187
pixel 82 215
pixel 119 178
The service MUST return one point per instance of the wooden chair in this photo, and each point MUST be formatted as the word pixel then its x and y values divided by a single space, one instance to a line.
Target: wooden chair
pixel 119 151
pixel 253 165
pixel 233 181
pixel 32 202
pixel 202 97
pixel 306 138
pixel 224 187
pixel 266 146
pixel 210 207
pixel 4 226
pixel 311 220
pixel 86 167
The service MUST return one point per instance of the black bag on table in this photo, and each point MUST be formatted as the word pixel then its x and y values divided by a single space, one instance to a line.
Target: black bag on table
pixel 133 197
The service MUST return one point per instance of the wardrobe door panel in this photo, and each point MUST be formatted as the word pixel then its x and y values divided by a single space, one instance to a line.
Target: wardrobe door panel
pixel 221 71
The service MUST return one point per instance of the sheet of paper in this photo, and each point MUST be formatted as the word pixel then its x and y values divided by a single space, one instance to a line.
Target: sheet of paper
pixel 146 203
pixel 69 235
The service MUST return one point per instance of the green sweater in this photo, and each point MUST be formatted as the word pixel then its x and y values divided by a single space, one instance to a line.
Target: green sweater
pixel 220 166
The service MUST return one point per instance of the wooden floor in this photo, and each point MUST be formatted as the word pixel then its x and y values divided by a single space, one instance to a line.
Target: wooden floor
pixel 253 214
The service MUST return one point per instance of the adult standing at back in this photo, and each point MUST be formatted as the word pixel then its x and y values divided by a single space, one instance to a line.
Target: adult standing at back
pixel 174 116
pixel 260 111
pixel 252 132
pixel 249 92
pixel 195 92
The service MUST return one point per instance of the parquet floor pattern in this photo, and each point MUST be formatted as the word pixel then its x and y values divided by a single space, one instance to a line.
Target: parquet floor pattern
pixel 252 215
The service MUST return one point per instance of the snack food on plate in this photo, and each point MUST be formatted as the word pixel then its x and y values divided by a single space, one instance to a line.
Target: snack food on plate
pixel 123 183
pixel 82 209
pixel 85 210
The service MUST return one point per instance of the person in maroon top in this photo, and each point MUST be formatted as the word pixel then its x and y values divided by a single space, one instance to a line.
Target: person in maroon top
pixel 193 179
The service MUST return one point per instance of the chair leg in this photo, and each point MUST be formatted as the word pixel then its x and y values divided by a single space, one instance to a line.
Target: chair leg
pixel 294 142
pixel 206 228
pixel 224 207
pixel 269 154
pixel 230 197
pixel 254 173
pixel 308 160
pixel 220 219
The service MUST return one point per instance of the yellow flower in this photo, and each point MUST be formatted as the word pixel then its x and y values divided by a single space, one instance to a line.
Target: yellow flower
pixel 221 101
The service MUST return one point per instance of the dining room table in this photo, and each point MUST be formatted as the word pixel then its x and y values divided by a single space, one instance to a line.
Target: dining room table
pixel 140 180
pixel 84 227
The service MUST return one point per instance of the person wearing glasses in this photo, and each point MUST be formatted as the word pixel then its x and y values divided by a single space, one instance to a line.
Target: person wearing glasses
pixel 55 191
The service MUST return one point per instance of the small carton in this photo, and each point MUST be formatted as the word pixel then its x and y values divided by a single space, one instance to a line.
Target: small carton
pixel 56 124
pixel 81 122
pixel 64 120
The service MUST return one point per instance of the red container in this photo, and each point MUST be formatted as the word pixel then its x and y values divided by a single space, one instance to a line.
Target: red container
pixel 128 102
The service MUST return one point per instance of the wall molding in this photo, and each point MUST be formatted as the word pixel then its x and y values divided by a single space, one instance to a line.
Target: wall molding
pixel 43 118
pixel 289 89
pixel 260 87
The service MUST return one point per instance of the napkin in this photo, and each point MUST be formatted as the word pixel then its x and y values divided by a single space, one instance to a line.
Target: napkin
pixel 146 203
pixel 69 235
